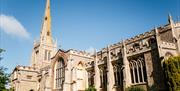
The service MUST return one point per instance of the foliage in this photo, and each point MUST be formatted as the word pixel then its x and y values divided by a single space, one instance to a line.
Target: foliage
pixel 1 50
pixel 134 88
pixel 171 68
pixel 92 88
pixel 4 77
pixel 11 89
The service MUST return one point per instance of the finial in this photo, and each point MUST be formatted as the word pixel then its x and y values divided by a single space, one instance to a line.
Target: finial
pixel 156 30
pixel 170 20
pixel 94 51
pixel 123 41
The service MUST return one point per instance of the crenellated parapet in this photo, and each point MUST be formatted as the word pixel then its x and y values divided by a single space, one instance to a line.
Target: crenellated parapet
pixel 24 73
pixel 26 68
pixel 80 53
pixel 140 37
pixel 138 44
pixel 164 28
pixel 141 43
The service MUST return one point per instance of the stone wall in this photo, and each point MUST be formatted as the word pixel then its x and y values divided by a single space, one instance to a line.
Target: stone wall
pixel 25 78
pixel 155 77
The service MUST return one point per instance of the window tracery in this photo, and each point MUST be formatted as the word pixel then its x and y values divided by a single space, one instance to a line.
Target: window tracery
pixel 60 73
pixel 138 71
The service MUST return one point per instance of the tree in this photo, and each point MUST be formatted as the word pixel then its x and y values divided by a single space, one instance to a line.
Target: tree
pixel 1 50
pixel 4 77
pixel 91 88
pixel 171 68
pixel 134 88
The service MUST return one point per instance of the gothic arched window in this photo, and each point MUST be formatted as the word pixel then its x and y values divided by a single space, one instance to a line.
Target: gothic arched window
pixel 91 77
pixel 117 74
pixel 59 73
pixel 138 71
pixel 103 78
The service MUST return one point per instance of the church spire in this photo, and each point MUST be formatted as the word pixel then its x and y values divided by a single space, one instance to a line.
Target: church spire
pixel 45 48
pixel 46 36
pixel 48 15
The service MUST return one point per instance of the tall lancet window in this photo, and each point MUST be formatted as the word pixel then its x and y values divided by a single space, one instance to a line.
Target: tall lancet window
pixel 47 55
pixel 59 74
pixel 117 74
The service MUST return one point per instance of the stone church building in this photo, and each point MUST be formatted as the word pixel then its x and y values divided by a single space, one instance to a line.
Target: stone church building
pixel 132 62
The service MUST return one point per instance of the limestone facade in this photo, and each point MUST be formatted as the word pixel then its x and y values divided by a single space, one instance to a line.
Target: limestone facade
pixel 24 78
pixel 131 62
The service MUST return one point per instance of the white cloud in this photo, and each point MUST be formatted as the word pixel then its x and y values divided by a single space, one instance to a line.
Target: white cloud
pixel 90 50
pixel 12 26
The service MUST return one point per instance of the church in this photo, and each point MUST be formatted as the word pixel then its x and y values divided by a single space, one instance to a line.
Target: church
pixel 131 62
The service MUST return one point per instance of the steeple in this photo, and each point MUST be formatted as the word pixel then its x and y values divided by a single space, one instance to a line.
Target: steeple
pixel 46 34
pixel 45 48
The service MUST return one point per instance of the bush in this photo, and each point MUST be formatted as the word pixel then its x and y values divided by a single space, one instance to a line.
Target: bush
pixel 171 68
pixel 134 89
pixel 4 77
pixel 92 88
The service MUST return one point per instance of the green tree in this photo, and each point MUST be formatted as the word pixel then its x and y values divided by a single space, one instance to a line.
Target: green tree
pixel 1 50
pixel 91 88
pixel 171 68
pixel 4 77
pixel 134 88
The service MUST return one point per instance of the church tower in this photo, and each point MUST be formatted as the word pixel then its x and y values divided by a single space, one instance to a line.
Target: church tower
pixel 45 47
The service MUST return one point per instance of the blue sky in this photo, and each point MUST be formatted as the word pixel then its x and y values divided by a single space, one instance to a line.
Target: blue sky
pixel 78 24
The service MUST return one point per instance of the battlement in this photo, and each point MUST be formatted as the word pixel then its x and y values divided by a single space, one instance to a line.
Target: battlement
pixel 130 40
pixel 80 53
pixel 27 68
pixel 113 46
pixel 140 36
pixel 164 28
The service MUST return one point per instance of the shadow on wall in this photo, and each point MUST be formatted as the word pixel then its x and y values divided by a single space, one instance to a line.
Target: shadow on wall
pixel 157 74
pixel 155 87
